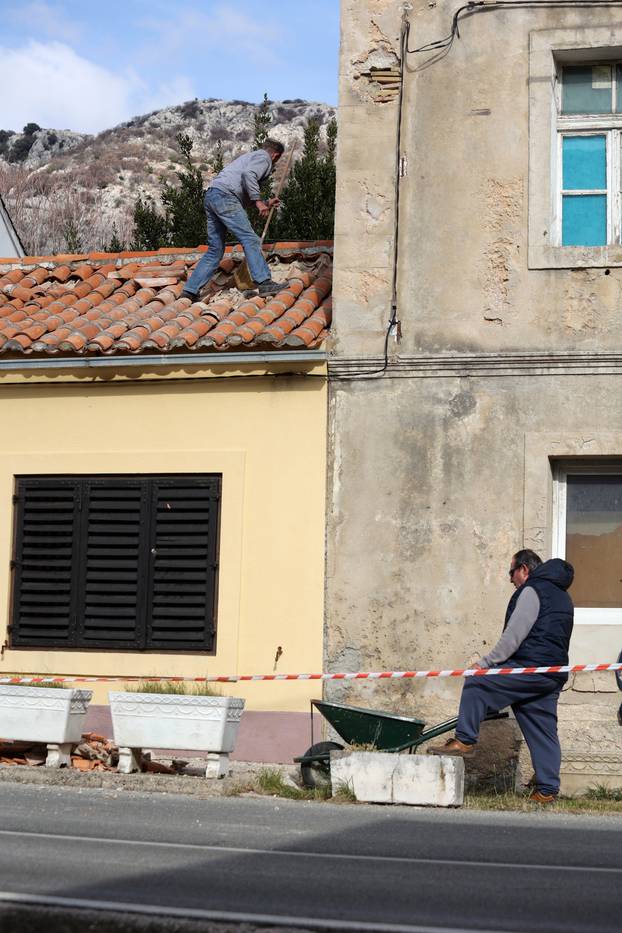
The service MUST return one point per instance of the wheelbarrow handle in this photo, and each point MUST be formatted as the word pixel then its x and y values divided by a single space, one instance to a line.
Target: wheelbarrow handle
pixel 448 725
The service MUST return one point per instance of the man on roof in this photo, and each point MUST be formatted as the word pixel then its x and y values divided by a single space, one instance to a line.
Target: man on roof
pixel 537 630
pixel 233 190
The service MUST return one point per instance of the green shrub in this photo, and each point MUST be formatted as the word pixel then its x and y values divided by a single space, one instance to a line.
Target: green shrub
pixel 600 792
pixel 173 687
pixel 54 685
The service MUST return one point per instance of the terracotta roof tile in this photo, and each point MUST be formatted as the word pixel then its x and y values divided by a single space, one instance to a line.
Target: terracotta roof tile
pixel 129 303
pixel 35 277
pixel 60 273
pixel 11 278
pixel 83 271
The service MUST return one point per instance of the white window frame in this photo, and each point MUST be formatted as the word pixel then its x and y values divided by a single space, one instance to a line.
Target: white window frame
pixel 549 51
pixel 608 125
pixel 561 471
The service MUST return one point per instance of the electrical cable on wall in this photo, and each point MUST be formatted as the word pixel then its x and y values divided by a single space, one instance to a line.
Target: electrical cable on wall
pixel 394 322
pixel 480 6
pixel 439 45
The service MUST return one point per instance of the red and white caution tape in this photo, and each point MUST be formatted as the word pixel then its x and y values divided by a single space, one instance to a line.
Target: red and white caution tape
pixel 376 675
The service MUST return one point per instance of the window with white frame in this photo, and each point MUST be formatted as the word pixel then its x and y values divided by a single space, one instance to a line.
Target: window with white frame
pixel 589 139
pixel 588 533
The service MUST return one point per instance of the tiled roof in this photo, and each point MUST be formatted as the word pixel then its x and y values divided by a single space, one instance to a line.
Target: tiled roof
pixel 129 303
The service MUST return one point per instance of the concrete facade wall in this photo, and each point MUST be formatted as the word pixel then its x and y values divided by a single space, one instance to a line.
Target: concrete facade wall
pixel 442 467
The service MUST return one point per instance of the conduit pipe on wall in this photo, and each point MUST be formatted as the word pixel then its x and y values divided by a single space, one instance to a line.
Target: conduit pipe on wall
pixel 395 325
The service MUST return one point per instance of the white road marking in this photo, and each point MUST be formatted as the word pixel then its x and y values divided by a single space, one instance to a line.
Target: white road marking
pixel 223 916
pixel 287 853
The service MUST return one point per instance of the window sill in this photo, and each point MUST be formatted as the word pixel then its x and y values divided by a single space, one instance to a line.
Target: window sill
pixel 574 257
pixel 597 616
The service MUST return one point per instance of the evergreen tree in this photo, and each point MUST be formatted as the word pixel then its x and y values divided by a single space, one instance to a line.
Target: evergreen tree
pixel 262 121
pixel 115 245
pixel 73 240
pixel 150 226
pixel 217 163
pixel 331 141
pixel 183 203
pixel 308 211
pixel 181 222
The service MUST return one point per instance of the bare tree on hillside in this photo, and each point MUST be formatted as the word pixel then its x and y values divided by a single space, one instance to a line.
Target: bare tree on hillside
pixel 52 215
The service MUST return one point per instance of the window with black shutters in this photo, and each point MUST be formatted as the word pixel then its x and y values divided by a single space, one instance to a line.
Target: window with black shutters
pixel 119 562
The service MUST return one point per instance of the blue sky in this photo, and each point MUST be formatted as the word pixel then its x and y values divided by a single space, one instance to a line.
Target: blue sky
pixel 88 66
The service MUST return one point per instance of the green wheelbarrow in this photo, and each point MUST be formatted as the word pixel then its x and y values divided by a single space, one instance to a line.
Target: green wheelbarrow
pixel 373 729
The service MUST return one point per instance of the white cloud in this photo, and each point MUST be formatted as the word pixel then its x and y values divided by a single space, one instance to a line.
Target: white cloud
pixel 230 34
pixel 50 20
pixel 54 86
pixel 175 91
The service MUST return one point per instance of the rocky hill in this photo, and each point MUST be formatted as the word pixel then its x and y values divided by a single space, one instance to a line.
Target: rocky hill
pixel 69 191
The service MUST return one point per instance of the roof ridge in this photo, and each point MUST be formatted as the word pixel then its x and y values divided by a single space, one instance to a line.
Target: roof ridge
pixel 156 256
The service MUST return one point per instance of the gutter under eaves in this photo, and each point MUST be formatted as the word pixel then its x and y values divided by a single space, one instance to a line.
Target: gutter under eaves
pixel 160 360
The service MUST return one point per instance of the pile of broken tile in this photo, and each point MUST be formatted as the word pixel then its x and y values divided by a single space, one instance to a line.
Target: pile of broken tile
pixel 93 753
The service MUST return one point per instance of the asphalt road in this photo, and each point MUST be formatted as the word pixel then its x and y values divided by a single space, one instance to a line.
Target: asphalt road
pixel 315 865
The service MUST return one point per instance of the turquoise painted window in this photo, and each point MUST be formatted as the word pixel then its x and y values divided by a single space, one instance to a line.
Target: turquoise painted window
pixel 584 169
pixel 584 220
pixel 587 89
pixel 584 163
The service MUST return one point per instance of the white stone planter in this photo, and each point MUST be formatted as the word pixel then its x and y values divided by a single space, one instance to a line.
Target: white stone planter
pixel 52 715
pixel 163 720
pixel 385 777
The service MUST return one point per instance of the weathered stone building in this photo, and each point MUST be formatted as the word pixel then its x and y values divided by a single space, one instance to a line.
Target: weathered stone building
pixel 495 421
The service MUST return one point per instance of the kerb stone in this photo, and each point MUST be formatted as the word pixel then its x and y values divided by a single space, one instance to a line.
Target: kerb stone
pixel 383 777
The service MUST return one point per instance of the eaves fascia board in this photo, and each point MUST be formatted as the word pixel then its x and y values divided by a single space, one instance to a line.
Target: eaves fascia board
pixel 225 360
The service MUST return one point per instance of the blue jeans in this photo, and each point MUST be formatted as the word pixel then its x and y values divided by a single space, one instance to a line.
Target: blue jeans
pixel 533 698
pixel 224 212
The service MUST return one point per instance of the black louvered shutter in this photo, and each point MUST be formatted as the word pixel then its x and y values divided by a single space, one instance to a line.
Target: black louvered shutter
pixel 115 516
pixel 116 562
pixel 184 539
pixel 45 587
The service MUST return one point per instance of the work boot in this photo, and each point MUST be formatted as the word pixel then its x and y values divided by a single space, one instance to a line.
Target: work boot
pixel 189 295
pixel 454 747
pixel 536 796
pixel 270 287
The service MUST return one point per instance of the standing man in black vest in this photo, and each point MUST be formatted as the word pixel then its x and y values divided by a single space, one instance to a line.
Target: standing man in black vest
pixel 537 630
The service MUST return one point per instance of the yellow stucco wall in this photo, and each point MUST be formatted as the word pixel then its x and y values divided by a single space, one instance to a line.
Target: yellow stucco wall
pixel 266 435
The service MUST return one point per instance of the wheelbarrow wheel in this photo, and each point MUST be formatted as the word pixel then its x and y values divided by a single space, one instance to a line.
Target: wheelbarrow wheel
pixel 317 773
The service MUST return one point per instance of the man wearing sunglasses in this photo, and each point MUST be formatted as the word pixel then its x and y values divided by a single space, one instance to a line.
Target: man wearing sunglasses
pixel 538 625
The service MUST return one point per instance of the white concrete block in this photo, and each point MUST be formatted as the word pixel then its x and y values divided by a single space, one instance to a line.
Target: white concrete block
pixel 384 777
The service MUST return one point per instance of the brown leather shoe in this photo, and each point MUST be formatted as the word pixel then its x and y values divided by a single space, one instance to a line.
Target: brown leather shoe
pixel 537 796
pixel 453 747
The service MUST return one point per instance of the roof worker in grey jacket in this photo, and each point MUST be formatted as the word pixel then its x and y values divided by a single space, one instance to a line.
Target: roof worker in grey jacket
pixel 235 188
pixel 537 630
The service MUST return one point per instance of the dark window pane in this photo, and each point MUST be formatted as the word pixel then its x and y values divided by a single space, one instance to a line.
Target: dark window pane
pixel 586 89
pixel 594 539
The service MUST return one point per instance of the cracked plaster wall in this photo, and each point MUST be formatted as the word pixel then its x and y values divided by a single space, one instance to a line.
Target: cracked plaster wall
pixel 426 475
pixel 425 514
pixel 464 283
